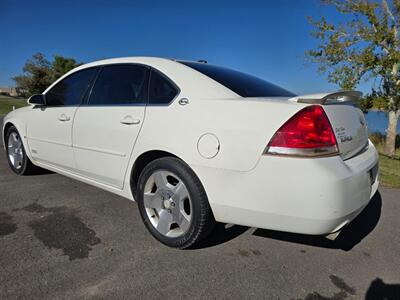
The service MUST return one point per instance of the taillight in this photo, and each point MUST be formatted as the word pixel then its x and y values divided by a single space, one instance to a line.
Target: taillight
pixel 307 133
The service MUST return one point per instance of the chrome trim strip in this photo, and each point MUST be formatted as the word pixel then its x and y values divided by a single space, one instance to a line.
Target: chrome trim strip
pixel 314 152
pixel 115 153
pixel 49 141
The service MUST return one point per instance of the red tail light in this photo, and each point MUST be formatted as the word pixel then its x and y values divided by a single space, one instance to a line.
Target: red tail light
pixel 307 133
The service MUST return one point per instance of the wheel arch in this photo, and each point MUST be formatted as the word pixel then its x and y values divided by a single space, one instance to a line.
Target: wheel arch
pixel 20 125
pixel 142 161
pixel 6 126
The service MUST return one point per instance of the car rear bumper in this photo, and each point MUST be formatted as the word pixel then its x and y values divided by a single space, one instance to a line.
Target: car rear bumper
pixel 309 196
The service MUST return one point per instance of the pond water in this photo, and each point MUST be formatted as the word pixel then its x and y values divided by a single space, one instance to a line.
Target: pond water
pixel 377 121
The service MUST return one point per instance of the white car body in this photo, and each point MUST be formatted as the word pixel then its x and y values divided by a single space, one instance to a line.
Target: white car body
pixel 223 138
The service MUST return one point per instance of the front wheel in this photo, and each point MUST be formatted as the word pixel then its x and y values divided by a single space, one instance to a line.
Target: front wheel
pixel 16 155
pixel 173 203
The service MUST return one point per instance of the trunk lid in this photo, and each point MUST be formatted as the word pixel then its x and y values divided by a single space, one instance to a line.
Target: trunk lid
pixel 347 121
pixel 350 128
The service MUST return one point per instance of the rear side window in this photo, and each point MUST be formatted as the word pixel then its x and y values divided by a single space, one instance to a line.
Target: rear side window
pixel 120 85
pixel 71 90
pixel 242 84
pixel 162 90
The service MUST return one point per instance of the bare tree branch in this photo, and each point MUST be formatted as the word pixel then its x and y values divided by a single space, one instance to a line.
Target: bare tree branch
pixel 386 8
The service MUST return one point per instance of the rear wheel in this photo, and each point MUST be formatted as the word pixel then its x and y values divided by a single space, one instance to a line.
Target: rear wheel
pixel 16 155
pixel 173 203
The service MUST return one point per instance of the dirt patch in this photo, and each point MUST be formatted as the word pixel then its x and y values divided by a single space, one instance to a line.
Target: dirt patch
pixel 7 226
pixel 60 228
pixel 345 291
pixel 342 285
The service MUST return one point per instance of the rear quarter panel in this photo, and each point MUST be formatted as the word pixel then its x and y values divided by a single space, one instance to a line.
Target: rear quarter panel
pixel 242 126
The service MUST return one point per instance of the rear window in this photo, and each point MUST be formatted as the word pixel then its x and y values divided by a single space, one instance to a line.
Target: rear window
pixel 242 84
pixel 161 90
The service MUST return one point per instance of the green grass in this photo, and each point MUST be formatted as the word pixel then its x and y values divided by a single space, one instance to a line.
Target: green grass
pixel 7 103
pixel 389 171
pixel 389 168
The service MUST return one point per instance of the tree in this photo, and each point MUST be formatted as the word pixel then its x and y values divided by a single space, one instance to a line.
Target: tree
pixel 364 46
pixel 62 65
pixel 39 73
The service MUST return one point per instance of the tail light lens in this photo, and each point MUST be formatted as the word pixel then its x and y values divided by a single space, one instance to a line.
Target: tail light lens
pixel 308 133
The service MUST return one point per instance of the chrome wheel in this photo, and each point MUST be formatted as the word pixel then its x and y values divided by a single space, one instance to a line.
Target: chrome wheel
pixel 167 204
pixel 15 152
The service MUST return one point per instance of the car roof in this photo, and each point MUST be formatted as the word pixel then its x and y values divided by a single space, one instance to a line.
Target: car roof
pixel 128 59
pixel 134 59
pixel 185 77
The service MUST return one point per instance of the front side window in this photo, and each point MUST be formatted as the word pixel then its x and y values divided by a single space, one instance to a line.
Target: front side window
pixel 162 91
pixel 120 85
pixel 243 84
pixel 71 90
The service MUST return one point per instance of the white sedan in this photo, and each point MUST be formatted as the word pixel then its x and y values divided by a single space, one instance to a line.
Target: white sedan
pixel 195 143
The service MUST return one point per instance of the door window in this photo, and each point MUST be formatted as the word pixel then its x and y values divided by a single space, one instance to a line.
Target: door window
pixel 120 85
pixel 71 90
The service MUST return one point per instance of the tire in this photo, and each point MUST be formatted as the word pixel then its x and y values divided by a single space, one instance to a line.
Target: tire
pixel 173 203
pixel 17 159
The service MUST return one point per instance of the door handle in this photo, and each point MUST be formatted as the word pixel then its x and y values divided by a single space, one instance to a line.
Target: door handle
pixel 128 120
pixel 64 118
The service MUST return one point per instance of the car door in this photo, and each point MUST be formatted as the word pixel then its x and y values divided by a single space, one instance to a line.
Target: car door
pixel 106 128
pixel 49 128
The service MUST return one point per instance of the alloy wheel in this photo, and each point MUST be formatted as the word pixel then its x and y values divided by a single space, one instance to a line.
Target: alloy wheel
pixel 167 203
pixel 15 151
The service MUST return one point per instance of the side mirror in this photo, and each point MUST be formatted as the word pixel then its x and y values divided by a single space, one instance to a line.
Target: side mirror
pixel 37 100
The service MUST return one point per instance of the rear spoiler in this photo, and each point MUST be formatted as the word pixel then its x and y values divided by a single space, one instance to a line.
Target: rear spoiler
pixel 327 98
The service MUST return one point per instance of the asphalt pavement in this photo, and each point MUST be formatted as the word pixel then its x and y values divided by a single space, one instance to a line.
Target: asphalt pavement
pixel 62 239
